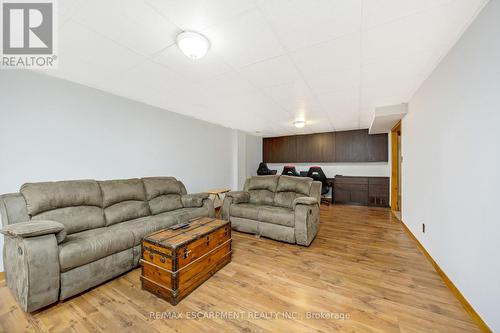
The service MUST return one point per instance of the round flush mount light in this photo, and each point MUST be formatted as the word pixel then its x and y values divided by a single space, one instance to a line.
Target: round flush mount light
pixel 193 44
pixel 299 123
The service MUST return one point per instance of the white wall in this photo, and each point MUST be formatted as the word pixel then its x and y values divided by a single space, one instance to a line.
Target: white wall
pixel 52 129
pixel 451 167
pixel 253 154
pixel 247 156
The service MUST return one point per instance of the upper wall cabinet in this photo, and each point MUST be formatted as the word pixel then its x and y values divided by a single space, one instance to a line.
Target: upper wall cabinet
pixel 344 146
pixel 280 149
pixel 377 148
pixel 351 146
pixel 316 147
pixel 359 146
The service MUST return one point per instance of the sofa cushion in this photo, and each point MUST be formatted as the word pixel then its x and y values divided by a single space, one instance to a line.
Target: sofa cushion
pixel 87 246
pixel 300 185
pixel 261 197
pixel 261 189
pixel 75 219
pixel 77 204
pixel 163 193
pixel 44 196
pixel 262 183
pixel 290 188
pixel 245 210
pixel 156 186
pixel 123 200
pixel 277 215
pixel 187 214
pixel 144 226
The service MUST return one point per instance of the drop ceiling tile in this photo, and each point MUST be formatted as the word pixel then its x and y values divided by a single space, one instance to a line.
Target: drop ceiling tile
pixel 240 120
pixel 199 14
pixel 271 72
pixel 454 18
pixel 227 85
pixel 293 97
pixel 75 70
pixel 335 80
pixel 328 57
pixel 245 39
pixel 319 126
pixel 83 51
pixel 276 131
pixel 310 113
pixel 129 22
pixel 340 103
pixel 366 117
pixel 253 104
pixel 199 70
pixel 173 102
pixel 391 82
pixel 384 11
pixel 345 118
pixel 143 81
pixel 329 19
pixel 66 9
pixel 417 33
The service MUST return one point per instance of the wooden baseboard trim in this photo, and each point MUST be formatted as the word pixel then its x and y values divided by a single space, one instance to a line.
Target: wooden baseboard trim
pixel 2 276
pixel 467 306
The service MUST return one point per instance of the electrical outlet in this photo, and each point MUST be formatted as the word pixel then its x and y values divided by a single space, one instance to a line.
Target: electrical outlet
pixel 423 228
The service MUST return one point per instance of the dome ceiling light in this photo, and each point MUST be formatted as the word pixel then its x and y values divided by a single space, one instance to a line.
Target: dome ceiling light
pixel 299 123
pixel 193 44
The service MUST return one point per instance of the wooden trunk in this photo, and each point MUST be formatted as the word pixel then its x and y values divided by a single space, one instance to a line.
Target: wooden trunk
pixel 175 262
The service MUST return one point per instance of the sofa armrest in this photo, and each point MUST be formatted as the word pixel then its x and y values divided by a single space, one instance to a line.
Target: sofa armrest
pixel 193 200
pixel 306 223
pixel 308 201
pixel 238 196
pixel 34 229
pixel 208 204
pixel 32 268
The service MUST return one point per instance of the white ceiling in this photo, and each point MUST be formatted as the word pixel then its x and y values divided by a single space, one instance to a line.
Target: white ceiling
pixel 270 62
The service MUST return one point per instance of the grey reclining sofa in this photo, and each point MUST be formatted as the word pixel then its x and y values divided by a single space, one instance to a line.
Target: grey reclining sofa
pixel 283 208
pixel 62 238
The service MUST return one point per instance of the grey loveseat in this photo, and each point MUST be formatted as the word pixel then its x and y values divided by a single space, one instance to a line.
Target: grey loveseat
pixel 283 208
pixel 62 238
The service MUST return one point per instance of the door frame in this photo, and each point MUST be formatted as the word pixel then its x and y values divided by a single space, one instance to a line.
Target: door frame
pixel 395 167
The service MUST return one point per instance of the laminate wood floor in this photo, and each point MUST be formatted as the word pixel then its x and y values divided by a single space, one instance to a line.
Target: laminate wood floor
pixel 362 273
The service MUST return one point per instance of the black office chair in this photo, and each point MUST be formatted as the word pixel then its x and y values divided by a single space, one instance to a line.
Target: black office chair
pixel 290 170
pixel 317 174
pixel 263 170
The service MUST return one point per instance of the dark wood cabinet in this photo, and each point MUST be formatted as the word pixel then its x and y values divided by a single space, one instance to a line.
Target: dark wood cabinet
pixel 351 146
pixel 371 191
pixel 351 190
pixel 343 146
pixel 378 191
pixel 377 148
pixel 316 147
pixel 281 149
